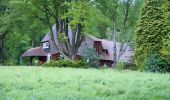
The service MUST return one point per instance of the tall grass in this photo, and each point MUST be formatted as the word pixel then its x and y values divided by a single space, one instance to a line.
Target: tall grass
pixel 37 83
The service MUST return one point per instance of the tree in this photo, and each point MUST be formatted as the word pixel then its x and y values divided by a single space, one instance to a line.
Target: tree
pixel 151 30
pixel 65 13
pixel 109 9
pixel 90 56
pixel 166 41
pixel 123 15
pixel 19 31
pixel 125 19
pixel 29 20
pixel 115 33
pixel 129 17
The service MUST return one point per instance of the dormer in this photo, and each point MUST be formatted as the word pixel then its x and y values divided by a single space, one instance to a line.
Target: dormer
pixel 98 46
pixel 46 46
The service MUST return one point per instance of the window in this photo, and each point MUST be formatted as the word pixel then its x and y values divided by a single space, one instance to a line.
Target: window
pixel 46 45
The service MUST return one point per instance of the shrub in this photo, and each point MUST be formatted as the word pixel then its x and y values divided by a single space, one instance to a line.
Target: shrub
pixel 90 56
pixel 120 65
pixel 67 63
pixel 155 63
pixel 35 62
pixel 11 62
pixel 130 66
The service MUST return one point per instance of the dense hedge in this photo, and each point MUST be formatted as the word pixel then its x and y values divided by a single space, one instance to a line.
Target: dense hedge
pixel 67 63
pixel 151 30
pixel 166 47
pixel 156 63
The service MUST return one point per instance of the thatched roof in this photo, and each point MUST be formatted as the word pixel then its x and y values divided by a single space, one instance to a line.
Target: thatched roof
pixel 38 51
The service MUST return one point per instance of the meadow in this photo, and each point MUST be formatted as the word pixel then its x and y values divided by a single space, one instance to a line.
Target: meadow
pixel 39 83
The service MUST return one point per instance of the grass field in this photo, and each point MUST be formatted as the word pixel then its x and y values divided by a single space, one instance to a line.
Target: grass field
pixel 37 83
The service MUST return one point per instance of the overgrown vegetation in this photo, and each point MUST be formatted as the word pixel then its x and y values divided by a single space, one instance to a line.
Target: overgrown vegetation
pixel 24 83
pixel 90 56
pixel 24 23
pixel 120 66
pixel 154 63
pixel 67 63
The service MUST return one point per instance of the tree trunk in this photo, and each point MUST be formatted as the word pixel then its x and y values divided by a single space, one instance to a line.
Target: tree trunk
pixel 1 50
pixel 58 26
pixel 32 43
pixel 114 37
pixel 77 40
pixel 67 48
pixel 124 28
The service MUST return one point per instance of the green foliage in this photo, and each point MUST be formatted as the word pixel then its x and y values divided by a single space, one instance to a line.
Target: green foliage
pixel 14 45
pixel 154 63
pixel 108 9
pixel 130 66
pixel 23 83
pixel 25 21
pixel 166 47
pixel 19 30
pixel 67 63
pixel 90 56
pixel 86 14
pixel 151 30
pixel 120 66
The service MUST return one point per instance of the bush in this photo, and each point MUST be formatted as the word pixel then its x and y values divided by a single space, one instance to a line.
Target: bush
pixel 90 56
pixel 155 63
pixel 67 63
pixel 130 66
pixel 120 65
pixel 11 62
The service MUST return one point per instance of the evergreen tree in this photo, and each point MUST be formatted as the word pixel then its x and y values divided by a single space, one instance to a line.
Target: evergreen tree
pixel 151 30
pixel 166 47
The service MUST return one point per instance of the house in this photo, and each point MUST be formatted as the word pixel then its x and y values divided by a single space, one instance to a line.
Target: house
pixel 103 47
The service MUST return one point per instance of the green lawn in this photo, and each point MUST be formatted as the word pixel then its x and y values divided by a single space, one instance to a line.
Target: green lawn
pixel 37 83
